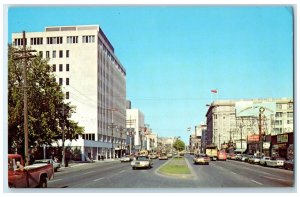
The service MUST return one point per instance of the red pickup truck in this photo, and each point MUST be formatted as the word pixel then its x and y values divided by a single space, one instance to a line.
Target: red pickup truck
pixel 30 176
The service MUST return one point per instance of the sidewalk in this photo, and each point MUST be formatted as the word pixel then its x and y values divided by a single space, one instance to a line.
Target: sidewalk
pixel 73 164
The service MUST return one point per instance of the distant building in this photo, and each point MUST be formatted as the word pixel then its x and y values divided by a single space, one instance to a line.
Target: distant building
pixel 165 144
pixel 152 141
pixel 92 78
pixel 237 120
pixel 196 139
pixel 135 122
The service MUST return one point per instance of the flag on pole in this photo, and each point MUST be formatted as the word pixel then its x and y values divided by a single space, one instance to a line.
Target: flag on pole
pixel 214 91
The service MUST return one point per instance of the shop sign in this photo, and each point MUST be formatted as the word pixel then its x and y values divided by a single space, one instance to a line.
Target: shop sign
pixel 253 138
pixel 266 145
pixel 282 138
pixel 282 146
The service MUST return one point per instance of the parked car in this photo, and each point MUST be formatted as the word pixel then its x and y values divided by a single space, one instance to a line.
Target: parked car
pixel 254 160
pixel 141 162
pixel 289 164
pixel 201 159
pixel 56 165
pixel 238 157
pixel 250 158
pixel 126 158
pixel 275 162
pixel 245 158
pixel 31 176
pixel 263 160
pixel 232 156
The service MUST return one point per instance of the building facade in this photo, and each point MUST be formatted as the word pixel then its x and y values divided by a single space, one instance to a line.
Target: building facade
pixel 228 122
pixel 93 80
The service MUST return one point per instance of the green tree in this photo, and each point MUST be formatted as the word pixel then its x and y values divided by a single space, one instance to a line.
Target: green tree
pixel 179 145
pixel 45 103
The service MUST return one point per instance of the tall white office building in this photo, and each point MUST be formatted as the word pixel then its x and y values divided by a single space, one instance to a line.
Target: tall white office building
pixel 93 80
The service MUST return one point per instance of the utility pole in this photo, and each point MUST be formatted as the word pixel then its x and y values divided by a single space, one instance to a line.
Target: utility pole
pixel 261 111
pixel 25 101
pixel 63 139
pixel 130 133
pixel 24 57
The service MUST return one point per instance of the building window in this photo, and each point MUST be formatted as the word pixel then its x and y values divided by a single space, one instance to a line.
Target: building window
pixel 67 53
pixel 19 42
pixel 54 68
pixel 72 39
pixel 290 114
pixel 67 67
pixel 54 40
pixel 278 114
pixel 278 122
pixel 88 39
pixel 67 81
pixel 290 121
pixel 53 54
pixel 290 105
pixel 67 95
pixel 41 53
pixel 60 81
pixel 60 67
pixel 279 106
pixel 47 54
pixel 60 54
pixel 36 41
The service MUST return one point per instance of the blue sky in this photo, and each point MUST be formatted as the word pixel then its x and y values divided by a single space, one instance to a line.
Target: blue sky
pixel 174 55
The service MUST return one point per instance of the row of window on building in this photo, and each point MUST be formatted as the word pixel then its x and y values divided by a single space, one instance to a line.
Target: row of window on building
pixel 61 54
pixel 60 81
pixel 60 67
pixel 55 40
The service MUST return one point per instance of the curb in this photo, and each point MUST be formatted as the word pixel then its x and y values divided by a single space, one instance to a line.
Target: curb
pixel 174 176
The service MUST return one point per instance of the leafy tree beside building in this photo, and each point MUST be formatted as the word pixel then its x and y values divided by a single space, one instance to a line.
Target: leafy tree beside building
pixel 47 112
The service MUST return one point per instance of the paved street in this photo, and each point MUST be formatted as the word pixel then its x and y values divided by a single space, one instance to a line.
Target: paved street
pixel 217 174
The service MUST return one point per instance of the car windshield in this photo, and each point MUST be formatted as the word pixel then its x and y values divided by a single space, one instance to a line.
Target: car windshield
pixel 142 158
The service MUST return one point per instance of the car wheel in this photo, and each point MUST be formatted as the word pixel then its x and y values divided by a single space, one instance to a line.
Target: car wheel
pixel 133 168
pixel 43 182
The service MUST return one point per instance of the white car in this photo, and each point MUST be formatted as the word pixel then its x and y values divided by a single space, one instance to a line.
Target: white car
pixel 141 162
pixel 275 162
pixel 126 159
pixel 56 165
pixel 255 160
pixel 263 160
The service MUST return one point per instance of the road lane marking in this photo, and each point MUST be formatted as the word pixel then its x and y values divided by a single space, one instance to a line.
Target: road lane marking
pixel 122 171
pixel 89 172
pixel 256 182
pixel 99 179
pixel 272 178
pixel 54 180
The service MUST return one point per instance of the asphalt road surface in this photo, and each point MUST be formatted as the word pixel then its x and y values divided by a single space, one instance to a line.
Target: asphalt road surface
pixel 218 174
